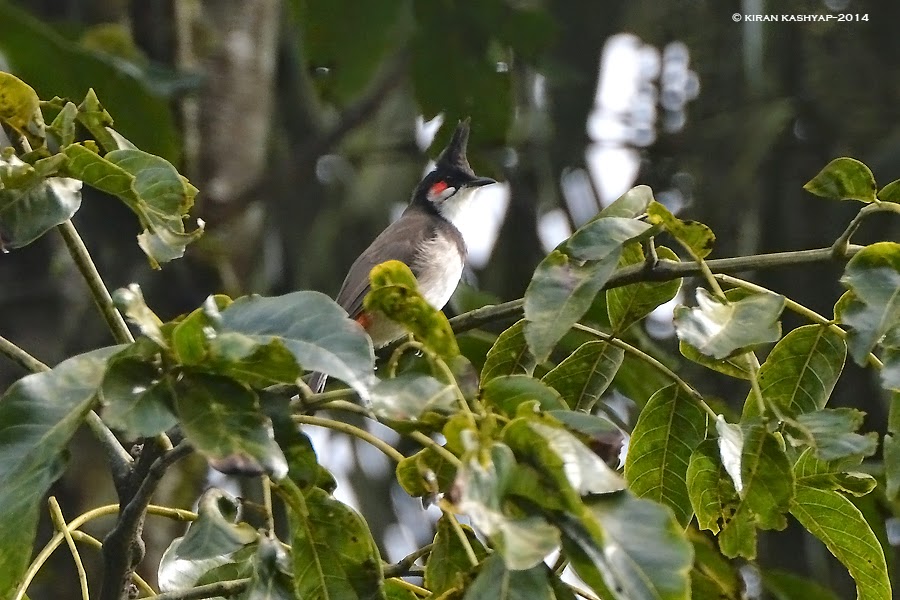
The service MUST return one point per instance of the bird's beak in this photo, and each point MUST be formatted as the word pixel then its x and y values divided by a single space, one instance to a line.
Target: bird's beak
pixel 480 181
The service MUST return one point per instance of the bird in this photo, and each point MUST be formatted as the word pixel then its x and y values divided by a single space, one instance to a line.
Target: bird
pixel 426 238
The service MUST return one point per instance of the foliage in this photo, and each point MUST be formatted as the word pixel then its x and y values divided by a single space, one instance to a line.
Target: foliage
pixel 522 449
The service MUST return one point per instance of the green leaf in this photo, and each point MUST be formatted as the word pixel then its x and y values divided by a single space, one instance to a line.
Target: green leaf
pixel 334 553
pixel 38 416
pixel 766 489
pixel 316 331
pixel 136 394
pixel 63 126
pixel 29 45
pixel 217 530
pixel 712 494
pixel 892 449
pixel 630 546
pixel 801 371
pixel 395 589
pixel 345 43
pixel 303 466
pixel 598 238
pixel 409 395
pixel 559 294
pixel 586 373
pixel 522 540
pixel 631 303
pixel 223 420
pixel 31 204
pixel 562 457
pixel 832 433
pixel 241 357
pixel 873 275
pixel 668 430
pixel 721 330
pixel 631 204
pixel 395 294
pixel 720 578
pixel 448 564
pixel 151 187
pixel 507 393
pixel 833 519
pixel 178 574
pixel 425 473
pixel 736 366
pixel 844 179
pixel 271 578
pixel 130 301
pixel 496 582
pixel 696 237
pixel 597 432
pixel 890 192
pixel 509 355
pixel 20 109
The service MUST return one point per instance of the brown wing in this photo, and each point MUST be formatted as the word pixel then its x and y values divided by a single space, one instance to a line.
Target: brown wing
pixel 399 241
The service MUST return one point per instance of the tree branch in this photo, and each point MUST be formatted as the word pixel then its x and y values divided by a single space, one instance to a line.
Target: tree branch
pixel 210 590
pixel 123 548
pixel 664 270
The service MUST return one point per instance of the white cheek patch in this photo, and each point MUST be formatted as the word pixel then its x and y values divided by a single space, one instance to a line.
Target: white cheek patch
pixel 441 196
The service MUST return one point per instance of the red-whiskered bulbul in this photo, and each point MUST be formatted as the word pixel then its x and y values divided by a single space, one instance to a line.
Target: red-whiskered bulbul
pixel 425 238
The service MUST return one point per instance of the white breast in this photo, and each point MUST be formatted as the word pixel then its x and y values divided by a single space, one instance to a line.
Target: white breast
pixel 440 267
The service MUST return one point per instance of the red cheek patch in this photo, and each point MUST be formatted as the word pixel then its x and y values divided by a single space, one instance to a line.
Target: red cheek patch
pixel 438 187
pixel 364 319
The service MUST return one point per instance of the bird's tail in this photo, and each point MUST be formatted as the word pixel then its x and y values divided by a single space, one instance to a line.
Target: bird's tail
pixel 317 382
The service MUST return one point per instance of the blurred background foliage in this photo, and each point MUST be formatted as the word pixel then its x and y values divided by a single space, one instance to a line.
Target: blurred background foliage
pixel 302 123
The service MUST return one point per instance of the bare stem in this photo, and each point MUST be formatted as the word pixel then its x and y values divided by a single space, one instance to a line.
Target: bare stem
pixel 362 434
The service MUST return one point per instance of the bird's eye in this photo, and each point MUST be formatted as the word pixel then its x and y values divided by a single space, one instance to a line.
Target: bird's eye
pixel 438 187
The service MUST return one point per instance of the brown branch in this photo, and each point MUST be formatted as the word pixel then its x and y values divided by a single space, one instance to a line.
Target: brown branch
pixel 663 270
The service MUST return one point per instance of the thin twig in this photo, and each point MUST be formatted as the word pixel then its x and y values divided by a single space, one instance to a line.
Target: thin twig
pixel 841 245
pixel 402 566
pixel 210 590
pixel 362 434
pixel 99 291
pixel 59 521
pixel 460 533
pixel 20 357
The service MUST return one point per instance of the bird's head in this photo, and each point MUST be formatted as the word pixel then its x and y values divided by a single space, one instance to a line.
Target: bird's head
pixel 448 187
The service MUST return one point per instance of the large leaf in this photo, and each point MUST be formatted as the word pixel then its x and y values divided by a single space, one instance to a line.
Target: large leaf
pixel 150 186
pixel 586 373
pixel 345 42
pixel 316 331
pixel 448 563
pixel 394 292
pixel 522 540
pixel 712 494
pixel 30 45
pixel 509 355
pixel 409 395
pixel 832 433
pixel 562 457
pixel 631 303
pixel 801 371
pixel 873 275
pixel 38 415
pixel 223 420
pixel 496 582
pixel 844 179
pixel 334 553
pixel 559 294
pixel 596 239
pixel 630 546
pixel 766 489
pixel 31 204
pixel 668 430
pixel 720 330
pixel 735 366
pixel 631 204
pixel 136 395
pixel 20 109
pixel 833 519
pixel 508 392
